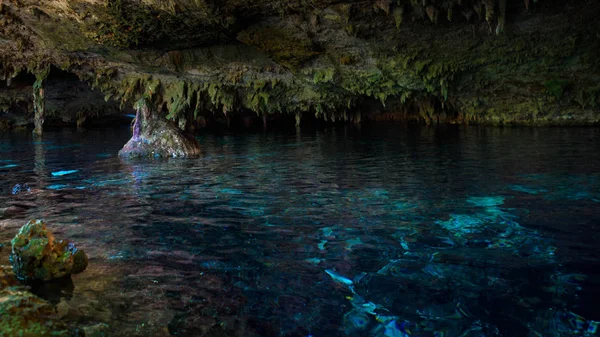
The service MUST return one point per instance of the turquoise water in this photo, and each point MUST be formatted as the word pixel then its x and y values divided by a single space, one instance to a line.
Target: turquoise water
pixel 379 231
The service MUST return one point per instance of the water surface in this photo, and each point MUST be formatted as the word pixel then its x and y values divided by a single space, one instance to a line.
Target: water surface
pixel 379 231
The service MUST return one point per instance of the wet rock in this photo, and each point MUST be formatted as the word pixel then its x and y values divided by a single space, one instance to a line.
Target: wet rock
pixel 62 309
pixel 7 277
pixel 98 330
pixel 20 188
pixel 153 136
pixel 54 291
pixel 24 314
pixel 38 256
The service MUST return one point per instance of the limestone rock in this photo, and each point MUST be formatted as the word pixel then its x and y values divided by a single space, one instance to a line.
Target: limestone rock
pixel 154 136
pixel 38 256
pixel 206 61
pixel 97 330
pixel 24 314
pixel 7 277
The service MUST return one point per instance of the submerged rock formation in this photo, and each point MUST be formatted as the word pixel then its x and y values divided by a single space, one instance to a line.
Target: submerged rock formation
pixel 154 136
pixel 22 313
pixel 38 256
pixel 458 61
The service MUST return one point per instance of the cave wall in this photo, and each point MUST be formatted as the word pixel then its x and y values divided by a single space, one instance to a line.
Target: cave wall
pixel 468 61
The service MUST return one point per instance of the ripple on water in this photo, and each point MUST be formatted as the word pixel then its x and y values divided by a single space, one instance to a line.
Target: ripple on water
pixel 392 232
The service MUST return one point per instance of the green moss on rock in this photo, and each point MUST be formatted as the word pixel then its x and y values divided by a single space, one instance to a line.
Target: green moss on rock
pixel 288 47
pixel 189 58
pixel 38 256
pixel 23 314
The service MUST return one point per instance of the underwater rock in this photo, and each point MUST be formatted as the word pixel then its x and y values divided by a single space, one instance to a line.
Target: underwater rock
pixel 98 330
pixel 154 136
pixel 38 256
pixel 22 313
pixel 19 188
pixel 7 277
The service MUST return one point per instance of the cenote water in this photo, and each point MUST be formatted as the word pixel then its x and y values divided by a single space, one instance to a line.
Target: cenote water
pixel 395 231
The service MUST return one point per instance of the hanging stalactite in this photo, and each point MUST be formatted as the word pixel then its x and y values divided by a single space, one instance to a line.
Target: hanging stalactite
pixel 39 101
pixel 298 118
pixel 501 17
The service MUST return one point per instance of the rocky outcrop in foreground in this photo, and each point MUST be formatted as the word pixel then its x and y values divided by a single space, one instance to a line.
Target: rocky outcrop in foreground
pixel 38 256
pixel 22 313
pixel 37 260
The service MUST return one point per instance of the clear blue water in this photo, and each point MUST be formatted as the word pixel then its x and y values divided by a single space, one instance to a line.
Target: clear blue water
pixel 381 231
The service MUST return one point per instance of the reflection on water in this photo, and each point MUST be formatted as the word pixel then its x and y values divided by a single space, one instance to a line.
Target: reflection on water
pixel 394 231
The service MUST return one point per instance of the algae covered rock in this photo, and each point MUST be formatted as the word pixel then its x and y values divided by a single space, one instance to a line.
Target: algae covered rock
pixel 154 136
pixel 7 277
pixel 38 256
pixel 22 313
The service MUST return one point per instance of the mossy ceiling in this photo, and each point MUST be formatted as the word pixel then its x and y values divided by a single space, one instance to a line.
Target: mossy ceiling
pixel 322 57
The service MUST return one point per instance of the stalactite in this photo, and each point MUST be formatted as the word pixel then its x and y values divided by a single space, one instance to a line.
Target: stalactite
pixel 182 122
pixel 501 17
pixel 477 9
pixel 80 120
pixel 398 16
pixel 357 117
pixel 432 13
pixel 467 14
pixel 298 118
pixel 39 106
pixel 489 10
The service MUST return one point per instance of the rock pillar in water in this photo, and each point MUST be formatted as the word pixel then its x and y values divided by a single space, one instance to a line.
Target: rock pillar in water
pixel 154 136
pixel 37 256
pixel 39 106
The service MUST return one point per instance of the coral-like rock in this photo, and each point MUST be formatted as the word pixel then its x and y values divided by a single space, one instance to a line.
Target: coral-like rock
pixel 38 256
pixel 154 136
